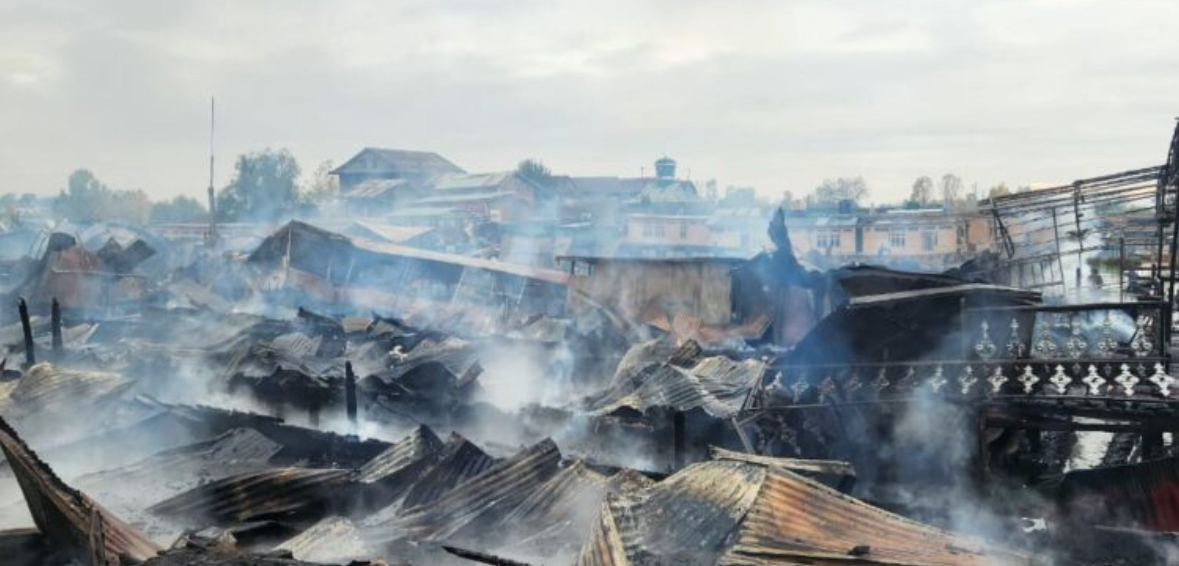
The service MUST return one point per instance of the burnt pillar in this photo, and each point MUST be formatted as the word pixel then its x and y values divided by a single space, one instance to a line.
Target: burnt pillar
pixel 30 353
pixel 350 393
pixel 55 321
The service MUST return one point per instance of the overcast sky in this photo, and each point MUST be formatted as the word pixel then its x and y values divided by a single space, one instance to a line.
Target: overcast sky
pixel 773 94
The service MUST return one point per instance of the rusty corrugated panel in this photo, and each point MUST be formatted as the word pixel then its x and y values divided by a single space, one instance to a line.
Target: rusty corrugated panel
pixel 421 446
pixel 559 517
pixel 45 387
pixel 334 540
pixel 498 490
pixel 797 520
pixel 285 493
pixel 718 385
pixel 172 471
pixel 837 472
pixel 1142 496
pixel 459 461
pixel 728 512
pixel 73 523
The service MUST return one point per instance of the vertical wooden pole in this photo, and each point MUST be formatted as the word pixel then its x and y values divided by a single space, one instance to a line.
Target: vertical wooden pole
pixel 30 353
pixel 55 321
pixel 350 394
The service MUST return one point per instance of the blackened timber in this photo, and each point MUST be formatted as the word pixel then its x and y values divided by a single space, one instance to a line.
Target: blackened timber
pixel 350 393
pixel 55 323
pixel 30 353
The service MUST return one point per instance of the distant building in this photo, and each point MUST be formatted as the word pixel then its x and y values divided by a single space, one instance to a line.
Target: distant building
pixel 917 239
pixel 375 181
pixel 495 197
pixel 668 229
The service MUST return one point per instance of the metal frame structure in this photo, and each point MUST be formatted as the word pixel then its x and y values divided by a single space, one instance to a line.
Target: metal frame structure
pixel 1075 363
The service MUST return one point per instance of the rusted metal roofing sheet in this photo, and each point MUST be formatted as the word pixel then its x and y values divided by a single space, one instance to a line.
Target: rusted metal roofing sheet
pixel 71 521
pixel 738 513
pixel 333 540
pixel 421 446
pixel 835 469
pixel 718 385
pixel 459 461
pixel 45 387
pixel 284 493
pixel 277 245
pixel 173 471
pixel 498 490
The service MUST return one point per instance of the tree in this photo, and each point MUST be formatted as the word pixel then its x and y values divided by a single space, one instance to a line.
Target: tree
pixel 922 191
pixel 534 170
pixel 179 210
pixel 323 186
pixel 86 199
pixel 951 188
pixel 998 191
pixel 833 191
pixel 264 187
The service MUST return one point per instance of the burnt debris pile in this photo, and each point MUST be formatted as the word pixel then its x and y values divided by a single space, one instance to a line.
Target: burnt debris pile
pixel 329 391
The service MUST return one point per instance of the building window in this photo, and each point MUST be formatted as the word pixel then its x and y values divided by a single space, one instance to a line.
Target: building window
pixel 896 239
pixel 828 240
pixel 659 230
pixel 683 230
pixel 929 240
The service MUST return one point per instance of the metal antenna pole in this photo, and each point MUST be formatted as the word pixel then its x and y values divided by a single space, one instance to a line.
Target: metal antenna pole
pixel 212 195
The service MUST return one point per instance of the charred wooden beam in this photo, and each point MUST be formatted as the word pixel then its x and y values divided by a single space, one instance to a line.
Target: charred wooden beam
pixel 30 353
pixel 55 323
pixel 350 393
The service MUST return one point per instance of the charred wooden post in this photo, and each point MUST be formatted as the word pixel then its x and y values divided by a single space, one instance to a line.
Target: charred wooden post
pixel 350 393
pixel 55 321
pixel 30 353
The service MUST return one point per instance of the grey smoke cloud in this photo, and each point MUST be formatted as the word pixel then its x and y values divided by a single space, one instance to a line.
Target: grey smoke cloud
pixel 774 94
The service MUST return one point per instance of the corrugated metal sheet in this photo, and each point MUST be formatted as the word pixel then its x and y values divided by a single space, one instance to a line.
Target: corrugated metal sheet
pixel 333 540
pixel 45 386
pixel 420 447
pixel 284 493
pixel 167 473
pixel 796 519
pixel 718 385
pixel 71 521
pixel 738 513
pixel 495 492
pixel 459 461
pixel 834 468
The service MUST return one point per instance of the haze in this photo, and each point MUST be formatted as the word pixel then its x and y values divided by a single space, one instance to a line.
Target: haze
pixel 775 95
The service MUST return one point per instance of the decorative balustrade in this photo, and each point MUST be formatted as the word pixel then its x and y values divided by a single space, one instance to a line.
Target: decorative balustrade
pixel 1102 350
pixel 833 384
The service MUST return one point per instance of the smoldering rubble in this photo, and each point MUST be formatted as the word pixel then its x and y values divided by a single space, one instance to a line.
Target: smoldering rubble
pixel 321 397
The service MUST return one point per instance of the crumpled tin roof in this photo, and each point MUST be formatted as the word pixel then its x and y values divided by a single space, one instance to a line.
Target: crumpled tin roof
pixel 718 385
pixel 732 513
